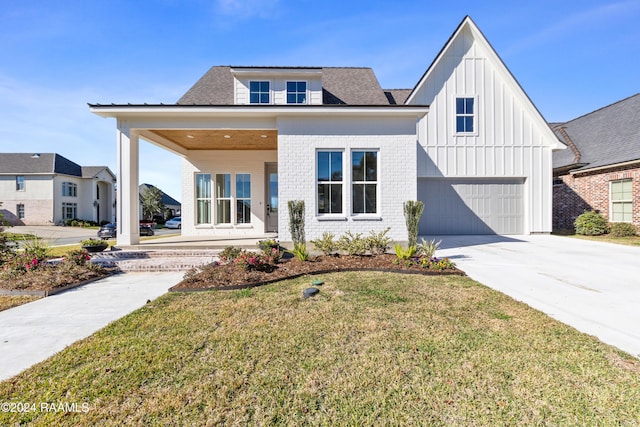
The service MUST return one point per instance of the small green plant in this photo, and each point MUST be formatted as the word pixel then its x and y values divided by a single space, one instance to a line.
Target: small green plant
pixel 300 251
pixel 378 243
pixel 253 261
pixel 35 246
pixel 326 243
pixel 437 264
pixel 591 223
pixel 77 257
pixel 94 242
pixel 403 253
pixel 428 249
pixel 412 212
pixel 296 221
pixel 623 229
pixel 267 244
pixel 353 244
pixel 229 253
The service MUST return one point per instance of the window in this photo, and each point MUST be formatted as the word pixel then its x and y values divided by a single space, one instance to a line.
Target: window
pixel 296 92
pixel 259 92
pixel 329 182
pixel 203 198
pixel 465 112
pixel 20 211
pixel 243 198
pixel 69 189
pixel 621 201
pixel 223 198
pixel 20 183
pixel 69 211
pixel 364 179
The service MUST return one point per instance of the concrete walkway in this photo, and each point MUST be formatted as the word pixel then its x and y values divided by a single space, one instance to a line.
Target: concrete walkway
pixel 592 286
pixel 33 332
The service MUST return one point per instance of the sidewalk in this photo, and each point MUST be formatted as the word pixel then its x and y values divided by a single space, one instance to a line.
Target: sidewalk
pixel 33 332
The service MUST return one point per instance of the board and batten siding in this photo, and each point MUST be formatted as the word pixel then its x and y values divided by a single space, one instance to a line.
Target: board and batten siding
pixel 511 140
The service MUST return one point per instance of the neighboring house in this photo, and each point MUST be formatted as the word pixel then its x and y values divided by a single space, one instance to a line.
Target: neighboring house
pixel 466 140
pixel 171 205
pixel 601 169
pixel 46 189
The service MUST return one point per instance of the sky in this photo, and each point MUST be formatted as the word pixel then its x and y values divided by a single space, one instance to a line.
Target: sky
pixel 570 57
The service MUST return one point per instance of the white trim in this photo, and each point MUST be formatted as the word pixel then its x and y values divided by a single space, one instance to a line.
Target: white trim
pixel 270 92
pixel 611 201
pixel 475 115
pixel 377 182
pixel 307 93
pixel 316 182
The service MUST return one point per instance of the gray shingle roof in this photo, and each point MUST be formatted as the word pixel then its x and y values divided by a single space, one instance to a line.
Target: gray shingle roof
pixel 607 136
pixel 31 163
pixel 91 171
pixel 166 199
pixel 397 96
pixel 349 86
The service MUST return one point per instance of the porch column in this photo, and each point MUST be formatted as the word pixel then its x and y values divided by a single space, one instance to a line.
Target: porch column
pixel 128 232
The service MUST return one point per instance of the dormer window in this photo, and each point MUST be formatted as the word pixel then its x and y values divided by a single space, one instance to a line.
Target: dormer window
pixel 296 92
pixel 259 92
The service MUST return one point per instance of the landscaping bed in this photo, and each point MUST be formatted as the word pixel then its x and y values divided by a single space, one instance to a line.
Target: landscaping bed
pixel 230 276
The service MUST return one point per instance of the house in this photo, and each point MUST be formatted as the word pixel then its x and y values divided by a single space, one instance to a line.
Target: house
pixel 465 139
pixel 601 169
pixel 171 205
pixel 47 188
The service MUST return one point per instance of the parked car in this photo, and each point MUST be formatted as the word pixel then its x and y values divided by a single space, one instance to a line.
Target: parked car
pixel 174 223
pixel 108 231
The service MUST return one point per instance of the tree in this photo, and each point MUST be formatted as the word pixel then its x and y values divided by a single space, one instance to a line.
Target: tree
pixel 151 201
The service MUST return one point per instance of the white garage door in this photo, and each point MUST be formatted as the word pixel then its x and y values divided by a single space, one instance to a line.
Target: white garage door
pixel 471 206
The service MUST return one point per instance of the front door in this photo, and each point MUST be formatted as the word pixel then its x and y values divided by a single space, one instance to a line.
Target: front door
pixel 271 179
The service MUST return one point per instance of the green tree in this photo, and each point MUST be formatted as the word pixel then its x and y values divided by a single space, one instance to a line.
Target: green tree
pixel 151 201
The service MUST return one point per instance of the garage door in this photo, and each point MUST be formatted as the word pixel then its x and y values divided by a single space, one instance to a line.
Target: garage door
pixel 471 206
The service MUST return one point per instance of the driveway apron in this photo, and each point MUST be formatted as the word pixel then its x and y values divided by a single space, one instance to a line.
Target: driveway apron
pixel 592 286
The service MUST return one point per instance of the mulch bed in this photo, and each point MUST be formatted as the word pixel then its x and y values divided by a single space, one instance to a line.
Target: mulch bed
pixel 229 276
pixel 48 281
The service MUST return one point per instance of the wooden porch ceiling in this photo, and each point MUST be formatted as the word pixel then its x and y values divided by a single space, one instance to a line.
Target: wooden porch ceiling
pixel 241 139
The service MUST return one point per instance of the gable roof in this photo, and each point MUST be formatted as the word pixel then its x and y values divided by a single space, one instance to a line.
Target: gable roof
pixel 340 86
pixel 397 96
pixel 92 171
pixel 166 199
pixel 508 77
pixel 608 136
pixel 34 163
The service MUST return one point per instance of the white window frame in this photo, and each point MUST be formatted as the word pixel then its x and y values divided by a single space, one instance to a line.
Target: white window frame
pixel 341 214
pixel 474 115
pixel 241 199
pixel 364 181
pixel 74 210
pixel 623 202
pixel 203 199
pixel 296 93
pixel 21 184
pixel 219 199
pixel 69 189
pixel 269 92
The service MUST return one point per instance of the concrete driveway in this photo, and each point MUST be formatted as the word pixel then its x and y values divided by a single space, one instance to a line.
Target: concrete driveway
pixel 592 286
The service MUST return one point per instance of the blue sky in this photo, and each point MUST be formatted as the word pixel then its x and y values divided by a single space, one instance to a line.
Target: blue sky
pixel 571 57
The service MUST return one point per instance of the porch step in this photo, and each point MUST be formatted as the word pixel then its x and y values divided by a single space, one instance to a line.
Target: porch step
pixel 156 260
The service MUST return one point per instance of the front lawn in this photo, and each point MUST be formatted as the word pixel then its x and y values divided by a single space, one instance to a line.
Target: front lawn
pixel 371 349
pixel 629 240
pixel 10 301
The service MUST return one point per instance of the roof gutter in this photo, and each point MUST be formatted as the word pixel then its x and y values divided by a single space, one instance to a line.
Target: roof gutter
pixel 613 165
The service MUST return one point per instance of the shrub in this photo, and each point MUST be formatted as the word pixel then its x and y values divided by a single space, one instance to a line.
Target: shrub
pixel 623 229
pixel 20 264
pixel 353 244
pixel 428 249
pixel 404 254
pixel 272 255
pixel 437 264
pixel 591 223
pixel 412 212
pixel 229 253
pixel 378 243
pixel 35 247
pixel 267 244
pixel 300 251
pixel 77 257
pixel 296 221
pixel 94 242
pixel 326 244
pixel 252 261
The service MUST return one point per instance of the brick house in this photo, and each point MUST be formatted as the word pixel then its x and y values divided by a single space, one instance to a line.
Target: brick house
pixel 600 170
pixel 466 140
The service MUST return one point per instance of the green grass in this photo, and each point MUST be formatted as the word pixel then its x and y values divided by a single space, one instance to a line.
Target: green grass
pixel 629 241
pixel 370 349
pixel 10 301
